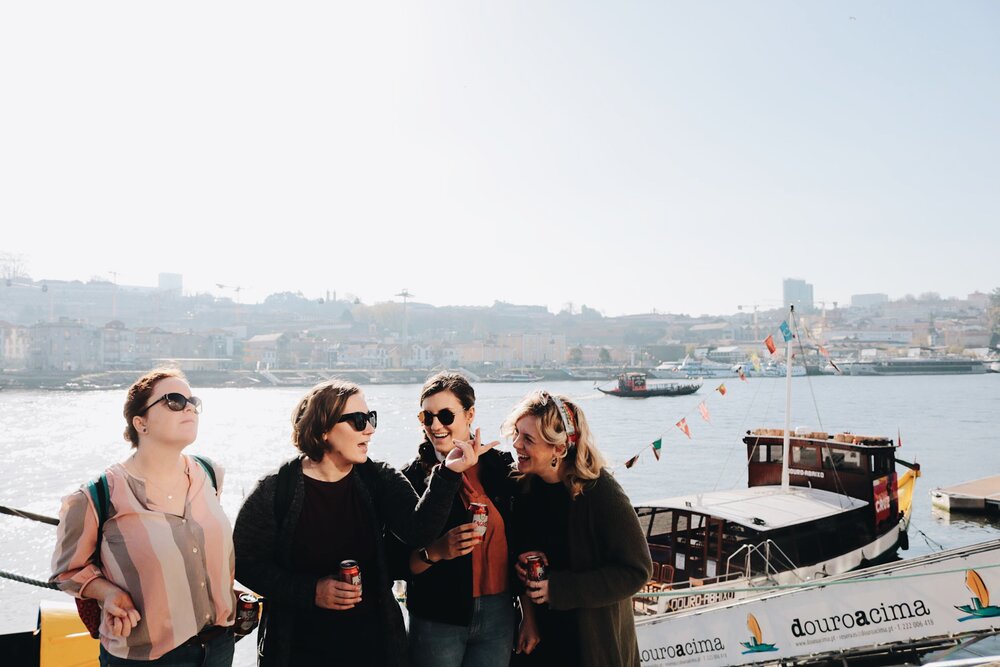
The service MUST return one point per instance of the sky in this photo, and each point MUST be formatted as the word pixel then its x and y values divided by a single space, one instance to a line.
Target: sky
pixel 681 157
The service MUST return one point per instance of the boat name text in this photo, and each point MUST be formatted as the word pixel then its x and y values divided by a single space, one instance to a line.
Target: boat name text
pixel 899 611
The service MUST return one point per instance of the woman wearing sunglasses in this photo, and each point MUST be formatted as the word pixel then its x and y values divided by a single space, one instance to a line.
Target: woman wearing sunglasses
pixel 570 512
pixel 458 594
pixel 334 504
pixel 161 564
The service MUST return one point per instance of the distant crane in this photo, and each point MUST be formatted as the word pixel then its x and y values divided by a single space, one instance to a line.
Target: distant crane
pixel 406 295
pixel 756 330
pixel 235 289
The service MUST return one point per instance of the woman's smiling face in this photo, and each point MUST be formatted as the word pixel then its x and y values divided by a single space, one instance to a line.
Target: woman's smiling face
pixel 442 435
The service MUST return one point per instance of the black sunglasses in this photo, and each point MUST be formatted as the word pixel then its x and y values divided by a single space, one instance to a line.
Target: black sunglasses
pixel 445 416
pixel 359 419
pixel 176 402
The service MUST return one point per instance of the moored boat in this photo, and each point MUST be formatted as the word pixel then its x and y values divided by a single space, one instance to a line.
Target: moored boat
pixel 633 385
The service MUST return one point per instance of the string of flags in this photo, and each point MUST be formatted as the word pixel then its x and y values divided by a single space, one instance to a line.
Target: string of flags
pixel 702 407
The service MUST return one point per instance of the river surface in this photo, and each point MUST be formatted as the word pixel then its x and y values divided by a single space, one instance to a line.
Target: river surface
pixel 51 442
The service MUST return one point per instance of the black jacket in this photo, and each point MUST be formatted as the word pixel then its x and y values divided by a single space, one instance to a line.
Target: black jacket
pixel 443 593
pixel 264 551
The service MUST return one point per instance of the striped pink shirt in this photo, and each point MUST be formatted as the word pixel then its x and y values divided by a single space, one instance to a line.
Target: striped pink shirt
pixel 177 569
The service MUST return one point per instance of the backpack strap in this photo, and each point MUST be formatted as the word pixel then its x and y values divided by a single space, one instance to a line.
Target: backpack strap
pixel 97 488
pixel 209 470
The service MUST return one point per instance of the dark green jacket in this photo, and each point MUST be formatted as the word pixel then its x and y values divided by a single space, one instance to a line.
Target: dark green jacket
pixel 609 563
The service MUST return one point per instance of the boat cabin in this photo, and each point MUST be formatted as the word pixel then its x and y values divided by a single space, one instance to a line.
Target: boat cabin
pixel 632 382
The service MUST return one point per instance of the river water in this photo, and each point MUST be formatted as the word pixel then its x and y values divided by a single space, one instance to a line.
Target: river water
pixel 51 442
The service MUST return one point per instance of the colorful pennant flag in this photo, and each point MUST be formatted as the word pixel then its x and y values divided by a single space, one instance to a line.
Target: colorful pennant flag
pixel 785 331
pixel 742 375
pixel 631 461
pixel 657 444
pixel 755 360
pixel 703 409
pixel 683 426
pixel 769 342
pixel 824 352
pixel 721 389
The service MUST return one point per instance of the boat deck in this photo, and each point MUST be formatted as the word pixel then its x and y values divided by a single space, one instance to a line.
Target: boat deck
pixel 979 495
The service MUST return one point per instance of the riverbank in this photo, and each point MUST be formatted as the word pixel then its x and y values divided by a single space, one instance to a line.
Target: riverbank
pixel 101 380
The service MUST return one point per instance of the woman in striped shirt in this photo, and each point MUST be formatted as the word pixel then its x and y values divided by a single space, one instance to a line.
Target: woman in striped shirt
pixel 164 575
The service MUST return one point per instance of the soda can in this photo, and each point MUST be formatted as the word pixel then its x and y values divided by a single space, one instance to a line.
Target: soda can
pixel 350 572
pixel 536 569
pixel 247 613
pixel 479 517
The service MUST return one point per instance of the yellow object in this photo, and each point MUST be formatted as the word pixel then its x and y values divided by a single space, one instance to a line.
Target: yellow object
pixel 65 641
pixel 905 486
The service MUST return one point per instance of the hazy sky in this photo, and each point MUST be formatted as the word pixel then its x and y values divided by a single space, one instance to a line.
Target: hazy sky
pixel 678 156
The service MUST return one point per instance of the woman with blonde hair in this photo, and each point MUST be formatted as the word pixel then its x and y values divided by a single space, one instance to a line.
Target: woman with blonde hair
pixel 571 513
pixel 332 504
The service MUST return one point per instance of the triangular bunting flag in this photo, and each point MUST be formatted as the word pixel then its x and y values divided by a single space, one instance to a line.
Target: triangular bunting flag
pixel 785 331
pixel 703 409
pixel 769 342
pixel 742 374
pixel 631 461
pixel 683 426
pixel 755 360
pixel 721 389
pixel 657 444
pixel 824 352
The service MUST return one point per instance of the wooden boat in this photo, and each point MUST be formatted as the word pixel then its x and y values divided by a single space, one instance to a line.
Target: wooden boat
pixel 815 505
pixel 633 385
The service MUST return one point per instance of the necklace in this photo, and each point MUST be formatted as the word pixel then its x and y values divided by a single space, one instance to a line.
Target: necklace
pixel 146 479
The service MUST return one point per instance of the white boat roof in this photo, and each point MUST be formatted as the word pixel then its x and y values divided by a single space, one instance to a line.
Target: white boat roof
pixel 767 504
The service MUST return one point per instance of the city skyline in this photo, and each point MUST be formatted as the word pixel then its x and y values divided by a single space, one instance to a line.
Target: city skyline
pixel 676 157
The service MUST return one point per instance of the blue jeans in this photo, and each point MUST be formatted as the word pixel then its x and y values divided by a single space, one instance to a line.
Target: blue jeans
pixel 216 653
pixel 486 642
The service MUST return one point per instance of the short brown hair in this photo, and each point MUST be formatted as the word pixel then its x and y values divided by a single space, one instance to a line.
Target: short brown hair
pixel 316 413
pixel 139 394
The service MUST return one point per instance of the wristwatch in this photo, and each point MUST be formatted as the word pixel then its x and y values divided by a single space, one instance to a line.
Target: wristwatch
pixel 423 555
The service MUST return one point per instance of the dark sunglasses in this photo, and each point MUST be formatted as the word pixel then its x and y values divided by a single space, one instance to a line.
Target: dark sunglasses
pixel 176 402
pixel 445 416
pixel 359 419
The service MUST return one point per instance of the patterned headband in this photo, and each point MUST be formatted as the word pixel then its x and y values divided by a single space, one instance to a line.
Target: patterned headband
pixel 565 416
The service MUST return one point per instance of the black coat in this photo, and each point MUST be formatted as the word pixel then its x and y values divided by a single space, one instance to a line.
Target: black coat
pixel 443 592
pixel 264 551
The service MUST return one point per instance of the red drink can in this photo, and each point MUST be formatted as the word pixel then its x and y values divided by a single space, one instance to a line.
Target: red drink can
pixel 247 613
pixel 479 517
pixel 350 572
pixel 536 569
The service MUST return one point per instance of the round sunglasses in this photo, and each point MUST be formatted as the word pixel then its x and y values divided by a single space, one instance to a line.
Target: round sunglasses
pixel 176 402
pixel 358 420
pixel 445 416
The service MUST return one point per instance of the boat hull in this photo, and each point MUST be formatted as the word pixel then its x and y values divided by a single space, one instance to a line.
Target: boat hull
pixel 673 390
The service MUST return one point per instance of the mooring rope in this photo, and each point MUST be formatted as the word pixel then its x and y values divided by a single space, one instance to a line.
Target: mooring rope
pixel 27 580
pixel 29 515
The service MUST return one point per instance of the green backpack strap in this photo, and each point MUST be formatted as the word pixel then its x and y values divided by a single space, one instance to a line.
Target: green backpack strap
pixel 98 490
pixel 209 470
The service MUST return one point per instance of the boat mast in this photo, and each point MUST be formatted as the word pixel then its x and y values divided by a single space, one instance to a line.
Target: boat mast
pixel 788 407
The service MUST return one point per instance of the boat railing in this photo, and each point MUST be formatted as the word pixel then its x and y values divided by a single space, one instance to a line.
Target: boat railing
pixel 763 551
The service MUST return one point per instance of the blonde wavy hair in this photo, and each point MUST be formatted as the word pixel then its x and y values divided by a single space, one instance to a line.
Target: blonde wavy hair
pixel 583 462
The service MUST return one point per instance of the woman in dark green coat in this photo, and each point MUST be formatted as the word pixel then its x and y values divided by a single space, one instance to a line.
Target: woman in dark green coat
pixel 570 512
